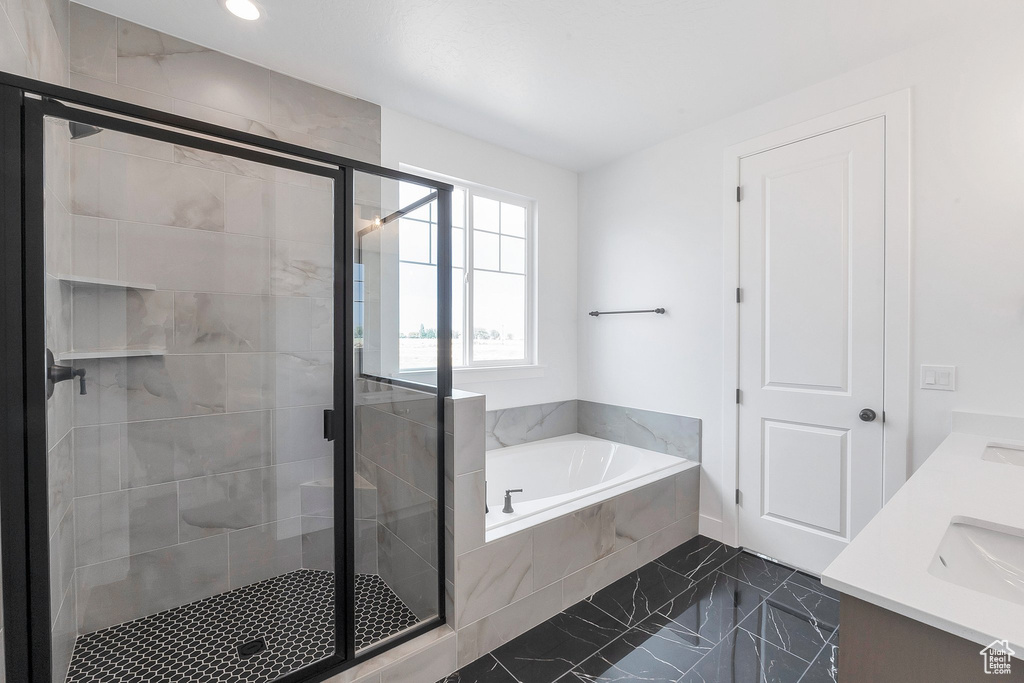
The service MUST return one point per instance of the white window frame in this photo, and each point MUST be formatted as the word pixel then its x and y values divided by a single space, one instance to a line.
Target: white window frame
pixel 491 369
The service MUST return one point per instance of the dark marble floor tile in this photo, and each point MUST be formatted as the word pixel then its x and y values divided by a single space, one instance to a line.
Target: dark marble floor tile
pixel 484 670
pixel 812 582
pixel 744 658
pixel 549 650
pixel 825 667
pixel 822 611
pixel 756 571
pixel 656 649
pixel 697 558
pixel 636 596
pixel 794 630
pixel 714 606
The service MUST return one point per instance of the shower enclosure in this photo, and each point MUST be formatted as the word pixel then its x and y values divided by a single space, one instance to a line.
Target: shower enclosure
pixel 207 470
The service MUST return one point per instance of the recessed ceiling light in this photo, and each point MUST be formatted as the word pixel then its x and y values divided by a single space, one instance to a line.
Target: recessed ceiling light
pixel 243 9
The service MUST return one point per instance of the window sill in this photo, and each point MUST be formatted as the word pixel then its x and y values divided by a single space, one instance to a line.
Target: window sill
pixel 495 373
pixel 464 376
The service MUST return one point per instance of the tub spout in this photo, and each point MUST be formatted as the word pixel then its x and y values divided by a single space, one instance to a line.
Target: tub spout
pixel 508 500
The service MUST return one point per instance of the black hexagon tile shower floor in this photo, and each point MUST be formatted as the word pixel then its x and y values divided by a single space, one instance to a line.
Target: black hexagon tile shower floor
pixel 293 614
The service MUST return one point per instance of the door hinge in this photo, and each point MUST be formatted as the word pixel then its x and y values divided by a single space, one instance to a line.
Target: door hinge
pixel 329 425
pixel 739 295
pixel 739 497
pixel 739 396
pixel 739 193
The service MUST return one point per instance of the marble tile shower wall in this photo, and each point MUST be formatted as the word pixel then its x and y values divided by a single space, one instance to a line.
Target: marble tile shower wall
pixel 208 459
pixel 661 432
pixel 194 459
pixel 118 59
pixel 396 453
pixel 57 298
pixel 34 36
pixel 125 61
pixel 34 42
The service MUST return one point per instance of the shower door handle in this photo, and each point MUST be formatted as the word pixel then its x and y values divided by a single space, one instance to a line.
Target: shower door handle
pixel 329 425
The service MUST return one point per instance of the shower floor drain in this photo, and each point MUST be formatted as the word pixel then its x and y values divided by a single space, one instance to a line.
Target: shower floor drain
pixel 253 647
pixel 212 639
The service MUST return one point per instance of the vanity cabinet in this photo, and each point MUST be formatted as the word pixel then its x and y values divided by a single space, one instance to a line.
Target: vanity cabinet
pixel 879 646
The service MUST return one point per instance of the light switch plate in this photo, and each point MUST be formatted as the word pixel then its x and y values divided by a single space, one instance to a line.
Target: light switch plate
pixel 938 377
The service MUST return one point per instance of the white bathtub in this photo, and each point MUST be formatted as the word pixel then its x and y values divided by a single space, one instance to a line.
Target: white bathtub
pixel 564 474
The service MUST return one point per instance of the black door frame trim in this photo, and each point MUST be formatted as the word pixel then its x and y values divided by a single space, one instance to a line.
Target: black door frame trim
pixel 25 525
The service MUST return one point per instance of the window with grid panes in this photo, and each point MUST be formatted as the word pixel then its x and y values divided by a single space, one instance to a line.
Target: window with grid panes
pixel 491 234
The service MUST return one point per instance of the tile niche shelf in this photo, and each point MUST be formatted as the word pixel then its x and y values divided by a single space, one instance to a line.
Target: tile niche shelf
pixel 82 281
pixel 110 353
pixel 93 354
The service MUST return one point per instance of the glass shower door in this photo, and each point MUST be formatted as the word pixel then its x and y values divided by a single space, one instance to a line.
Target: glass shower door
pixel 190 352
pixel 398 416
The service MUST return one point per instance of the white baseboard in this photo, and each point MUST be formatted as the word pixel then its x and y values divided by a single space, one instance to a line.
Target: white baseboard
pixel 710 527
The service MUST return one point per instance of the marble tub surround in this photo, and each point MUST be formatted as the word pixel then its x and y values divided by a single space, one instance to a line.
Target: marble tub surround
pixel 500 589
pixel 661 432
pixel 514 426
pixel 566 474
pixel 717 614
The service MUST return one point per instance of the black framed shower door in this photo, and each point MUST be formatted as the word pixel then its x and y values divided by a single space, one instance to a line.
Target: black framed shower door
pixel 25 106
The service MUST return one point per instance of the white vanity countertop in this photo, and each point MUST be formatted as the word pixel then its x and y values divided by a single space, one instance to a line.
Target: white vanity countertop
pixel 887 564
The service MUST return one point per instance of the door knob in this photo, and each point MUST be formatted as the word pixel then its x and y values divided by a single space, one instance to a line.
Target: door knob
pixel 868 415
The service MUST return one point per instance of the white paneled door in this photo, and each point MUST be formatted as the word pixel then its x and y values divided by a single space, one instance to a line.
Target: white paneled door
pixel 812 257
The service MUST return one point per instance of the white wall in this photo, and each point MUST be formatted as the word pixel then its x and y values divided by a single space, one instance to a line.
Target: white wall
pixel 406 140
pixel 651 226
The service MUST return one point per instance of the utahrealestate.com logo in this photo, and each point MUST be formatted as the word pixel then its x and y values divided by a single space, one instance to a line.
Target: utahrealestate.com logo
pixel 997 657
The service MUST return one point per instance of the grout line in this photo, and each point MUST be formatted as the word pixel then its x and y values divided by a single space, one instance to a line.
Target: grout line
pixel 816 656
pixel 612 616
pixel 177 507
pixel 714 568
pixel 200 415
pixel 812 588
pixel 498 662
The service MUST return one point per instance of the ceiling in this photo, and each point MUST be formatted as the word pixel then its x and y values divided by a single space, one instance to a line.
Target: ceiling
pixel 575 83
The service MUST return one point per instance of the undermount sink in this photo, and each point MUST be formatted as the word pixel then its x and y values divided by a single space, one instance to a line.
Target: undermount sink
pixel 1003 453
pixel 984 557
